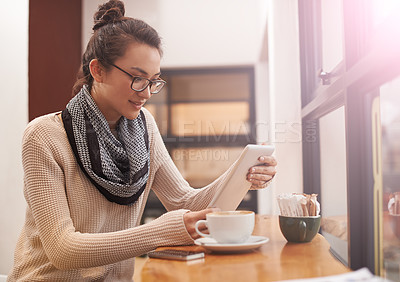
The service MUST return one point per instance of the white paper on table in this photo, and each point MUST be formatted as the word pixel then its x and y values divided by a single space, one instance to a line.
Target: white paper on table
pixel 363 274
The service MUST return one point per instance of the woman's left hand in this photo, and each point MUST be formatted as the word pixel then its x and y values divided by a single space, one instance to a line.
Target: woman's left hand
pixel 261 174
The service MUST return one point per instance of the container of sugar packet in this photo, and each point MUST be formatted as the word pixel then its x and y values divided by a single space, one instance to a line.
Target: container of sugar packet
pixel 299 218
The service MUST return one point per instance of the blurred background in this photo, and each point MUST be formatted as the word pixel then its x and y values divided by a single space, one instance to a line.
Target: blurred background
pixel 316 78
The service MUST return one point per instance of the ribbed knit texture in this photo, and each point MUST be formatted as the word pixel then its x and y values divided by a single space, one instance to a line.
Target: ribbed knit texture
pixel 72 232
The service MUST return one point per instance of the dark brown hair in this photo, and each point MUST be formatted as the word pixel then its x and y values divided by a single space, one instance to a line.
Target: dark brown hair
pixel 113 32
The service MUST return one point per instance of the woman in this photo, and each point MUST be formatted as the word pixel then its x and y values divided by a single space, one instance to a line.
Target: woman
pixel 89 170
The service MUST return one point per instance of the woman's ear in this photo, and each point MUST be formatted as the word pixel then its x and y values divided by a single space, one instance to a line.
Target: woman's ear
pixel 97 70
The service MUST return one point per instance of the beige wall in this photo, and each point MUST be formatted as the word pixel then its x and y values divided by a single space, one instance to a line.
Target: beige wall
pixel 284 98
pixel 198 33
pixel 14 117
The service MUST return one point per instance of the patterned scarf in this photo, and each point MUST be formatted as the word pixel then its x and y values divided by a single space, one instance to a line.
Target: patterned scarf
pixel 118 167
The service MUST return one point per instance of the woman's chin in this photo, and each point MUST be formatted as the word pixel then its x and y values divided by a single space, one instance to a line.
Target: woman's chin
pixel 132 116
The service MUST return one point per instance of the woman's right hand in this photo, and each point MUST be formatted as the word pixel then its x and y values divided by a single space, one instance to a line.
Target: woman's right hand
pixel 191 217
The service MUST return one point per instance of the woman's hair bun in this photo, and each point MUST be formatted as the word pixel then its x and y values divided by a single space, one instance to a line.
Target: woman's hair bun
pixel 110 12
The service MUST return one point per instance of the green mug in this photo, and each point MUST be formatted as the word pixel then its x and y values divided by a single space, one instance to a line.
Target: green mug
pixel 299 229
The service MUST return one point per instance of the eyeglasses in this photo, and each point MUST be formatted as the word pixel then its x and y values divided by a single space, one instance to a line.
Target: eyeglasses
pixel 140 83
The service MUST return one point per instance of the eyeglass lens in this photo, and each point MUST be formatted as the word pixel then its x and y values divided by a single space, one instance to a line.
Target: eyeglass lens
pixel 140 83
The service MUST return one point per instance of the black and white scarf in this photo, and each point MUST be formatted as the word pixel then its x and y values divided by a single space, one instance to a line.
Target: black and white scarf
pixel 118 167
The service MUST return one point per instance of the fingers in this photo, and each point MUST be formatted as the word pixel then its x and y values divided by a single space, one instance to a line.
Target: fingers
pixel 271 170
pixel 268 160
pixel 202 228
pixel 258 187
pixel 259 175
pixel 259 179
pixel 190 218
pixel 260 184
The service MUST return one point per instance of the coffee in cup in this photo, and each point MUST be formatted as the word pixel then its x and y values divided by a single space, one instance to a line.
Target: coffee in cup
pixel 228 227
pixel 299 229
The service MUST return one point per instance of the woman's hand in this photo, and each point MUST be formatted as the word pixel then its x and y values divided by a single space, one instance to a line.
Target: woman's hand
pixel 261 174
pixel 190 218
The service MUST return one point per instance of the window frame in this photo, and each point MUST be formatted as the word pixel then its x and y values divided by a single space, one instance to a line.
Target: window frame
pixel 354 84
pixel 174 141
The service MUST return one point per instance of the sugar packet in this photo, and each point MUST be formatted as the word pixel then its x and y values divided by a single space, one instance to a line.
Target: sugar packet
pixel 296 204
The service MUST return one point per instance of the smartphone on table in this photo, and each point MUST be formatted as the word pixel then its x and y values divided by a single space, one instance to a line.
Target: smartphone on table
pixel 176 254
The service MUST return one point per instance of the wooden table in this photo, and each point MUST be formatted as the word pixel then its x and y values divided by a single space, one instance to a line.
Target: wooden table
pixel 275 260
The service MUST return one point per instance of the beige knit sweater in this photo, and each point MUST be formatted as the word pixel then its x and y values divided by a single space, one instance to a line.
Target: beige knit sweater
pixel 72 232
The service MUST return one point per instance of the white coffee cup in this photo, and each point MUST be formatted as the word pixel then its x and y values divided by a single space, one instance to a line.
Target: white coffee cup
pixel 228 227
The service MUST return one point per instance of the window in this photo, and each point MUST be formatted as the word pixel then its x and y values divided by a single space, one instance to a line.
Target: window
pixel 348 65
pixel 332 136
pixel 390 171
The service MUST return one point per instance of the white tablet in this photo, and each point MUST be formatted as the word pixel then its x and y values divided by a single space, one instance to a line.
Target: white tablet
pixel 235 186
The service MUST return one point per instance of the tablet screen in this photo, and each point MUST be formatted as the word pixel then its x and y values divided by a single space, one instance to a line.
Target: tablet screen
pixel 235 186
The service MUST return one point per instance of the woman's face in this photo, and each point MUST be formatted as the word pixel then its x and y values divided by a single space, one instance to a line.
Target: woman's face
pixel 114 96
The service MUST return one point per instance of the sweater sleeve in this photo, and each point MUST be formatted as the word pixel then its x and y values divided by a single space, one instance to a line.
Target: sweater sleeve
pixel 65 247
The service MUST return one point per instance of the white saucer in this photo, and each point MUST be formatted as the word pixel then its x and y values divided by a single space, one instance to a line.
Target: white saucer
pixel 212 245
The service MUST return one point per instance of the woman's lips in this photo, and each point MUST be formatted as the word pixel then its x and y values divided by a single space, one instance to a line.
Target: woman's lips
pixel 137 105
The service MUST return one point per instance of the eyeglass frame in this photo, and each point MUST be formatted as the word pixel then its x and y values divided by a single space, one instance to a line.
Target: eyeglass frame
pixel 148 84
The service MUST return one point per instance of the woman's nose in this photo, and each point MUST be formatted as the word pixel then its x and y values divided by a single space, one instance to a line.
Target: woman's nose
pixel 145 93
